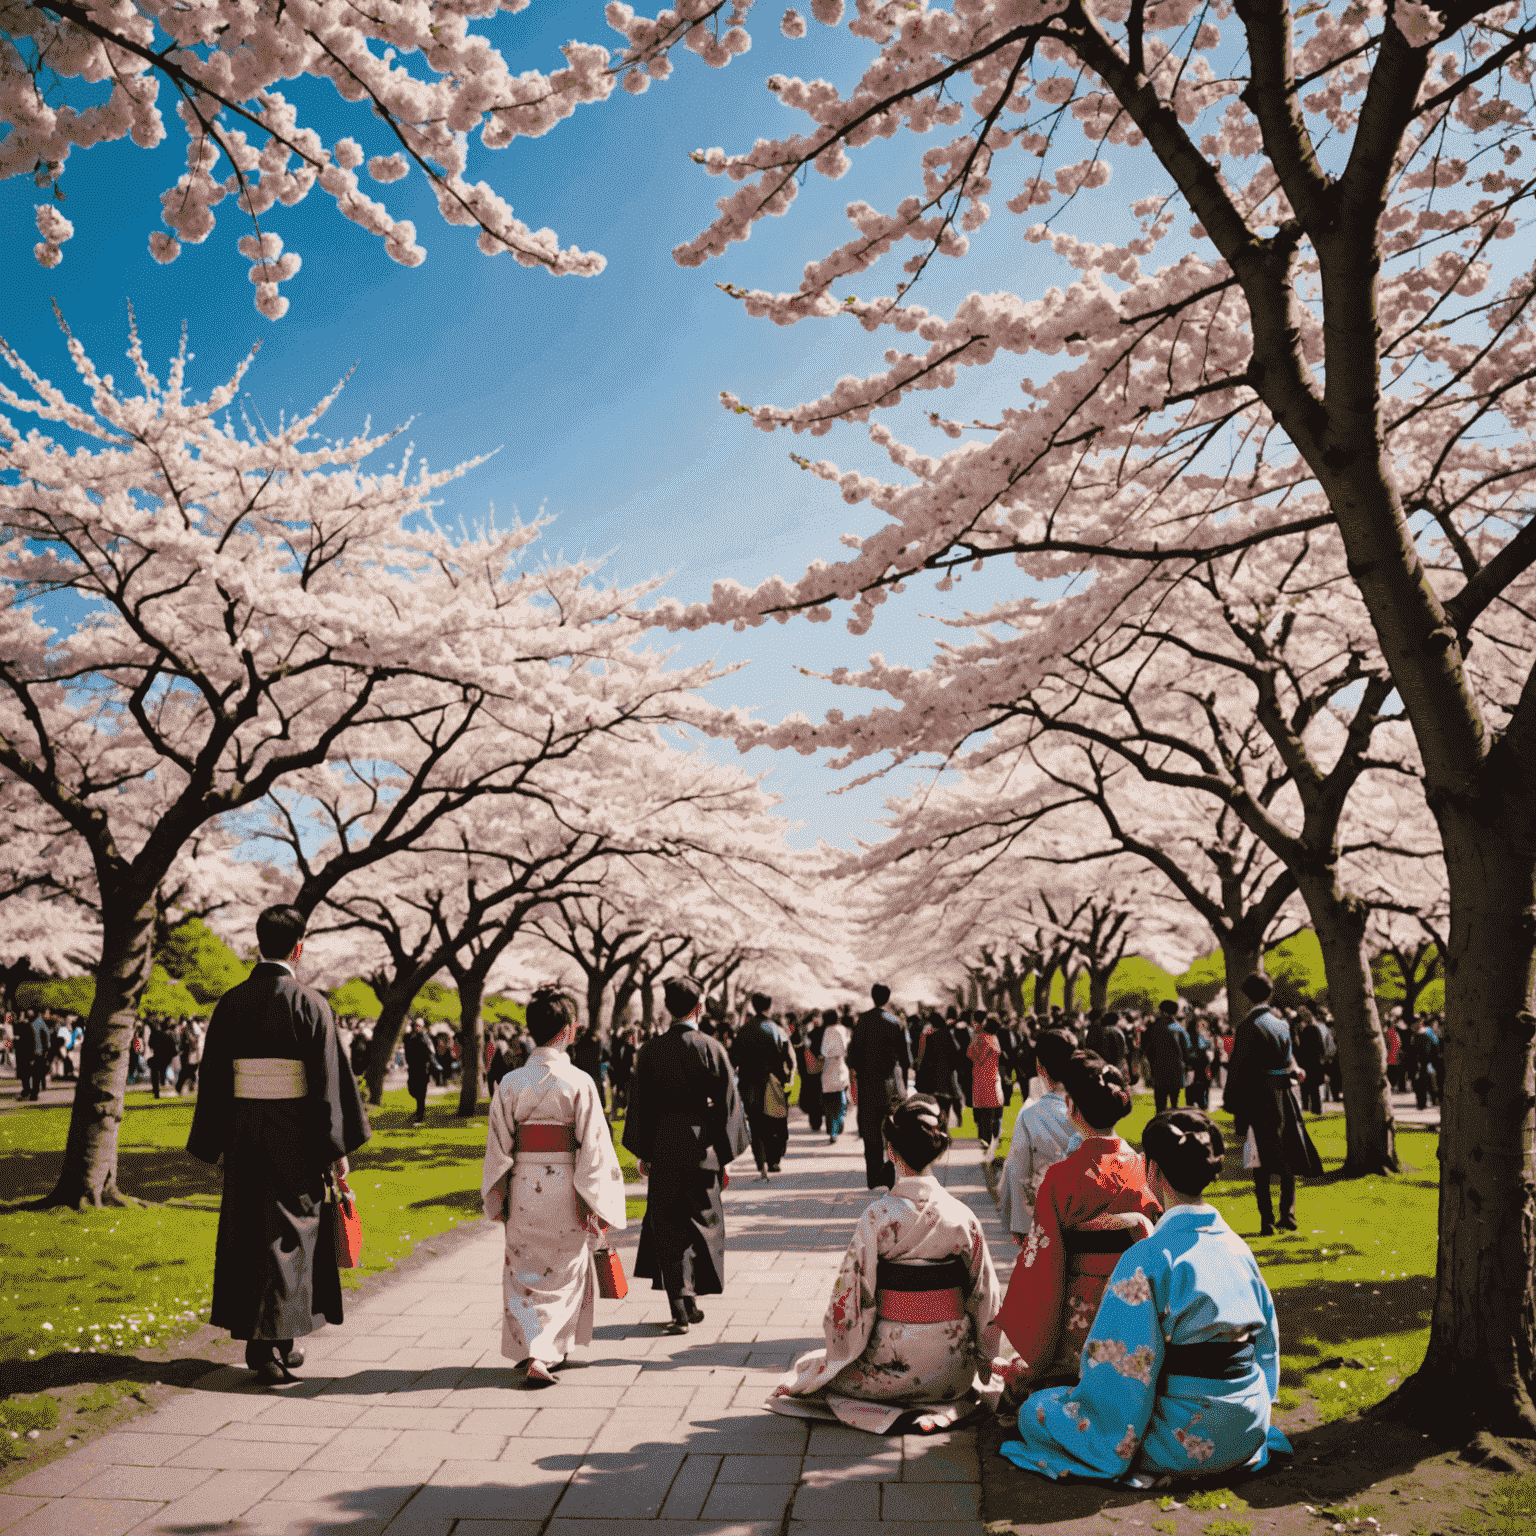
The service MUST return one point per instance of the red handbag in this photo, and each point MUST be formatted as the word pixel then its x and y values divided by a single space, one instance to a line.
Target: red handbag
pixel 611 1282
pixel 348 1228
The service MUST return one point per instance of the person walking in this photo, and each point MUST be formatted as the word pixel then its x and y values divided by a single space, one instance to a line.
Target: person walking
pixel 810 1070
pixel 279 1110
pixel 1311 1056
pixel 881 1061
pixel 986 1085
pixel 934 1072
pixel 162 1052
pixel 833 1054
pixel 1166 1049
pixel 765 1065
pixel 553 1180
pixel 685 1124
pixel 190 1050
pixel 420 1065
pixel 32 1056
pixel 1261 1096
pixel 1202 1067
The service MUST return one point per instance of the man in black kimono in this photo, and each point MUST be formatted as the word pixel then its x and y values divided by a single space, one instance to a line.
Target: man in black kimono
pixel 881 1061
pixel 684 1124
pixel 760 1052
pixel 278 1105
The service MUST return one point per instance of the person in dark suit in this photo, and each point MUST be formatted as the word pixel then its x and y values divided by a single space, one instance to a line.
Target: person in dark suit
pixel 1261 1096
pixel 34 1039
pixel 881 1061
pixel 761 1053
pixel 684 1124
pixel 420 1063
pixel 278 1108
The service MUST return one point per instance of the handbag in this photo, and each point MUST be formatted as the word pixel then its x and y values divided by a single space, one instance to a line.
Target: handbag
pixel 611 1282
pixel 347 1226
pixel 775 1100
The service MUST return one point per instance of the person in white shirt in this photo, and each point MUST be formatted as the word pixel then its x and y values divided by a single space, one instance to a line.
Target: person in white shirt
pixel 1043 1134
pixel 834 1074
pixel 552 1178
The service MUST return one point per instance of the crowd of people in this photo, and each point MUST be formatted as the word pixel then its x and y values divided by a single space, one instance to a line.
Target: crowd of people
pixel 1141 1334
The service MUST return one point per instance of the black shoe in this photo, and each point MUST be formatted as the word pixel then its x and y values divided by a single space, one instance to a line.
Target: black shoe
pixel 294 1359
pixel 680 1318
pixel 273 1374
pixel 1267 1229
pixel 773 1167
pixel 1287 1224
pixel 691 1308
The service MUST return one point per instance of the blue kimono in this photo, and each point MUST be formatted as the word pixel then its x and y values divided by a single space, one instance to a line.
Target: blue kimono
pixel 1187 1297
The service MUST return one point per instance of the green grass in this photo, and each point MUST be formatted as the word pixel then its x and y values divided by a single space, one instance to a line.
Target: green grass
pixel 1512 1510
pixel 123 1279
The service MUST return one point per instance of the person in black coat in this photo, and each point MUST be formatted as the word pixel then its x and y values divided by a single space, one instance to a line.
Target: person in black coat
pixel 881 1062
pixel 685 1124
pixel 420 1064
pixel 278 1108
pixel 1261 1096
pixel 761 1053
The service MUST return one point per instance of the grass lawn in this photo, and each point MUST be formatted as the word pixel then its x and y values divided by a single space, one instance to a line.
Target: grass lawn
pixel 119 1280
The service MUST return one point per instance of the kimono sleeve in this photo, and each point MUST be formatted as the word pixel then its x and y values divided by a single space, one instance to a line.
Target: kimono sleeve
pixel 215 1091
pixel 1031 1313
pixel 598 1178
pixel 984 1303
pixel 850 1316
pixel 343 1122
pixel 1266 1338
pixel 499 1158
pixel 1016 1203
pixel 1122 1359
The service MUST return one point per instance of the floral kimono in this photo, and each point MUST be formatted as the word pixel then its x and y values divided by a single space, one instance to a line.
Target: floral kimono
pixel 1091 1207
pixel 1042 1135
pixel 549 1160
pixel 1179 1371
pixel 893 1348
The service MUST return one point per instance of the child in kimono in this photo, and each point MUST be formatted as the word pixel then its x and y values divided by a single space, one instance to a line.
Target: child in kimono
pixel 1042 1135
pixel 1181 1368
pixel 553 1178
pixel 1092 1206
pixel 912 1322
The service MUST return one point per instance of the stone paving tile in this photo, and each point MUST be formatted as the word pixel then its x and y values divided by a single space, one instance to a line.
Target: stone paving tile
pixel 760 1469
pixel 60 1477
pixel 200 1413
pixel 380 1500
pixel 222 1499
pixel 495 1421
pixel 12 1508
pixel 352 1450
pixel 269 1519
pixel 931 1501
pixel 497 1528
pixel 566 1423
pixel 242 1455
pixel 613 1485
pixel 279 1434
pixel 748 1501
pixel 84 1517
pixel 838 1501
pixel 410 1416
pixel 305 1411
pixel 887 1528
pixel 940 1464
pixel 558 1527
pixel 876 1466
pixel 690 1488
pixel 156 1485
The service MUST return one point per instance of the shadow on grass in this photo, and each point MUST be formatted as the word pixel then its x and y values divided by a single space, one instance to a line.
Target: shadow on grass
pixel 1316 1319
pixel 62 1369
pixel 155 1174
pixel 1334 1464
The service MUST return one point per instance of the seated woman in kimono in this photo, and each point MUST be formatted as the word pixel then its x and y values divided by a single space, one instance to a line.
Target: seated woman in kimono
pixel 1183 1362
pixel 1091 1207
pixel 912 1322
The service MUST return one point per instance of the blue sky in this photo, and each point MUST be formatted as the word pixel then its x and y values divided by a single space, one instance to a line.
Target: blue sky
pixel 599 396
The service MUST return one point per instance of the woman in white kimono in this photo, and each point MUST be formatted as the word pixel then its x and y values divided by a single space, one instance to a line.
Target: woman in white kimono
pixel 913 1319
pixel 553 1178
pixel 1182 1364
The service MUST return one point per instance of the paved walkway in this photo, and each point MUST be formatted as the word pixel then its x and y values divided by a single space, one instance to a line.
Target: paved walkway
pixel 407 1422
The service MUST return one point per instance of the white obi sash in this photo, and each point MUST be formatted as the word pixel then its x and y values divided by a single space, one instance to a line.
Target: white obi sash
pixel 270 1077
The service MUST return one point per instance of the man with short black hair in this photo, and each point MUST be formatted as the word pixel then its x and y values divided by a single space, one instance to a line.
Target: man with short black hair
pixel 881 1061
pixel 278 1108
pixel 684 1124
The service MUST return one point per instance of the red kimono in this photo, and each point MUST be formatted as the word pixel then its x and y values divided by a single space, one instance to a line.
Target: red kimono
pixel 1092 1206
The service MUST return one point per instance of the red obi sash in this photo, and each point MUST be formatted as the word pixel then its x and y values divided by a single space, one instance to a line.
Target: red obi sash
pixel 921 1293
pixel 536 1137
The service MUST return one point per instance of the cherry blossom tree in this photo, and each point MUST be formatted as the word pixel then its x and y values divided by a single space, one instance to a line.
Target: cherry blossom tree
pixel 422 78
pixel 257 606
pixel 1346 345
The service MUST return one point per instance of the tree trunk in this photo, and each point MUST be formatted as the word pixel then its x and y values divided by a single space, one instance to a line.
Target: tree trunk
pixel 471 1041
pixel 1073 975
pixel 1369 1130
pixel 648 1006
pixel 394 1004
pixel 1481 1360
pixel 1242 955
pixel 89 1174
pixel 1098 987
pixel 595 989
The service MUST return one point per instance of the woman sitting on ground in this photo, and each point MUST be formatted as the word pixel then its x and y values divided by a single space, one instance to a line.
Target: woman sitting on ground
pixel 1091 1207
pixel 913 1318
pixel 1181 1368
